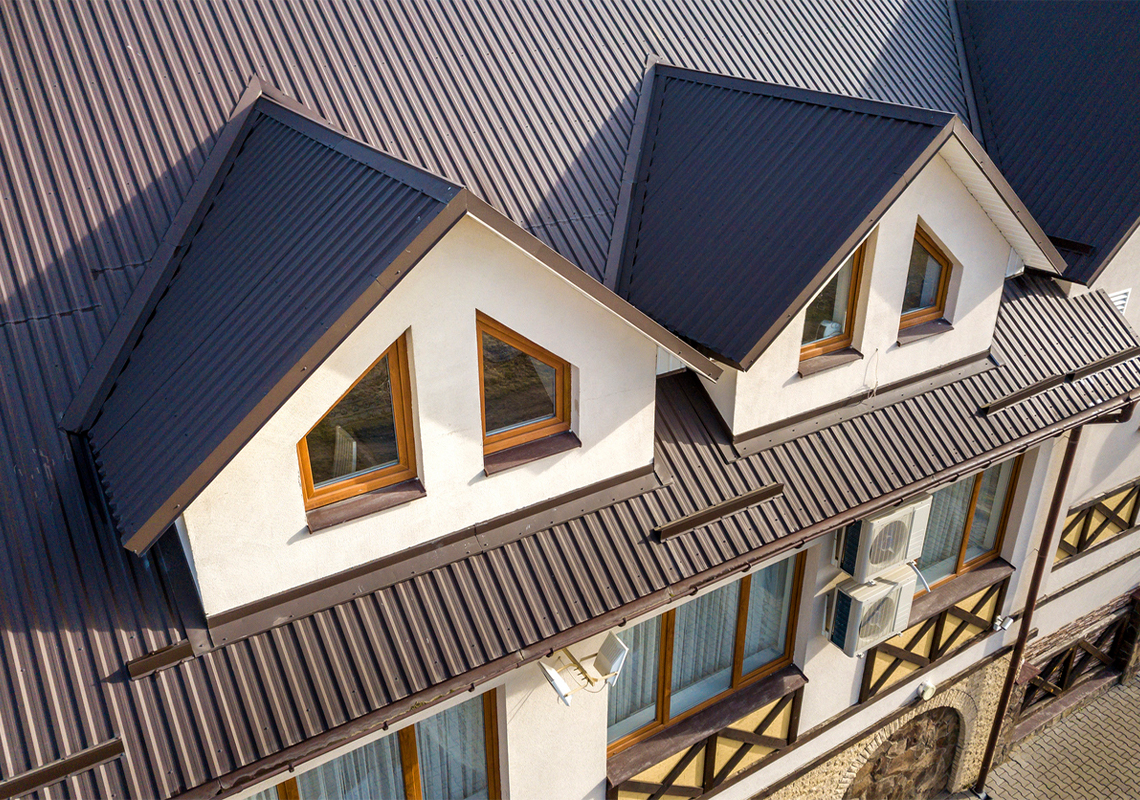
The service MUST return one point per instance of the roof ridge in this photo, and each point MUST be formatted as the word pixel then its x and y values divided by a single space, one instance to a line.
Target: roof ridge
pixel 779 91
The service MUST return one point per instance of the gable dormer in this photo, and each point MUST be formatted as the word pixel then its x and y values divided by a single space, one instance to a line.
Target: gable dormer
pixel 823 247
pixel 340 357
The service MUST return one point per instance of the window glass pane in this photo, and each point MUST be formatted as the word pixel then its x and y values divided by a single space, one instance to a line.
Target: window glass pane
pixel 452 749
pixel 517 388
pixel 921 280
pixel 359 434
pixel 267 794
pixel 633 696
pixel 944 533
pixel 987 514
pixel 372 771
pixel 827 313
pixel 769 602
pixel 703 637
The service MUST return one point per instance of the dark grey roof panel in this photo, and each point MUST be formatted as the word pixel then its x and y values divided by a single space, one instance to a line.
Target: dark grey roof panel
pixel 1056 92
pixel 293 237
pixel 745 194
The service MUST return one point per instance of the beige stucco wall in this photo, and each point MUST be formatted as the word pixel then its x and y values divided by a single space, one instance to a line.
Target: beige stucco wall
pixel 247 530
pixel 772 389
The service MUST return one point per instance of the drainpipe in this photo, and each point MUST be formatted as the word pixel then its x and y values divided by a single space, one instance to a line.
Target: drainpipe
pixel 1044 557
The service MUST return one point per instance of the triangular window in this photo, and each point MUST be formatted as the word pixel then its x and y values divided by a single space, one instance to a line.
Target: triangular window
pixel 525 389
pixel 365 441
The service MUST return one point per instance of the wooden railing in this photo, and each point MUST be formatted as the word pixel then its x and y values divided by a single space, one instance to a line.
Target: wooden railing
pixel 1085 660
pixel 703 752
pixel 933 638
pixel 1099 520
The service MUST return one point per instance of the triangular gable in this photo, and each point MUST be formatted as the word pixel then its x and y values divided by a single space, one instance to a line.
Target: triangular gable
pixel 749 196
pixel 292 234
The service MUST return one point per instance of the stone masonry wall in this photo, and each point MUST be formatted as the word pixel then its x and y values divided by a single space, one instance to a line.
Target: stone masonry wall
pixel 974 698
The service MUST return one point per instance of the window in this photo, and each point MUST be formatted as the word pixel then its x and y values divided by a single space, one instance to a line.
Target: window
pixel 525 390
pixel 451 756
pixel 967 519
pixel 926 282
pixel 680 661
pixel 365 441
pixel 830 318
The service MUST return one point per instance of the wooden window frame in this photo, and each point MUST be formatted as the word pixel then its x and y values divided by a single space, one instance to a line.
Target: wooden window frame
pixel 938 310
pixel 513 437
pixel 410 763
pixel 739 680
pixel 404 469
pixel 962 566
pixel 844 339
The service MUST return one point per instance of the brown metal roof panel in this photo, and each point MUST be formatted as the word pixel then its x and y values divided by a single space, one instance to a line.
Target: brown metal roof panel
pixel 433 621
pixel 1055 91
pixel 745 195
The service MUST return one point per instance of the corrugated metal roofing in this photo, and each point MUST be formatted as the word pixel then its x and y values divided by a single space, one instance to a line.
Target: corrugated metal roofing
pixel 1056 95
pixel 745 194
pixel 294 236
pixel 62 685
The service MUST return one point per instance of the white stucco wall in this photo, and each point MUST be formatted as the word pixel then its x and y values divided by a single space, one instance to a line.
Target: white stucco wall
pixel 772 389
pixel 247 530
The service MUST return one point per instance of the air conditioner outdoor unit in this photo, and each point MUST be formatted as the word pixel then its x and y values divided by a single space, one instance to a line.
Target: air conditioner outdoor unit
pixel 871 546
pixel 862 615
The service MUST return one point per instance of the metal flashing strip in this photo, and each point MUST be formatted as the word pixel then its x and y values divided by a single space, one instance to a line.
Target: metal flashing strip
pixel 160 659
pixel 56 771
pixel 713 513
pixel 866 401
pixel 302 601
pixel 1056 380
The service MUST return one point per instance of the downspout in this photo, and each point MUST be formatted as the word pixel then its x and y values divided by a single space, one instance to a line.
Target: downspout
pixel 1044 557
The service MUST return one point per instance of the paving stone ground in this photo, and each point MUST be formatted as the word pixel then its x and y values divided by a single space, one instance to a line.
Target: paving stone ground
pixel 1092 754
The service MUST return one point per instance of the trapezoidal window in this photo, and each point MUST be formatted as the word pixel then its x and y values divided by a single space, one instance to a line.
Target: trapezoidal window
pixel 830 320
pixel 365 441
pixel 525 390
pixel 927 280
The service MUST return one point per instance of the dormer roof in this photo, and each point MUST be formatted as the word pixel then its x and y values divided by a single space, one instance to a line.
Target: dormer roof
pixel 748 196
pixel 293 232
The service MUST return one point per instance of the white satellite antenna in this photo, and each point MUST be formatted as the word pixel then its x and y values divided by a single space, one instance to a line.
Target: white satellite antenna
pixel 607 665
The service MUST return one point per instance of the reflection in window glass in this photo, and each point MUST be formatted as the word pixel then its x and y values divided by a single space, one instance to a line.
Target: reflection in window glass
pixel 633 697
pixel 827 313
pixel 922 280
pixel 769 603
pixel 944 532
pixel 988 512
pixel 371 771
pixel 359 434
pixel 703 636
pixel 452 751
pixel 518 389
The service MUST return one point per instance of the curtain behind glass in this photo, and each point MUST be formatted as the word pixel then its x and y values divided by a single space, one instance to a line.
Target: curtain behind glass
pixel 944 533
pixel 704 635
pixel 372 772
pixel 452 749
pixel 769 602
pixel 633 697
pixel 988 511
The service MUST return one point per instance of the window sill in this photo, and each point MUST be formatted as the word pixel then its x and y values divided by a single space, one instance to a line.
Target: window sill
pixel 364 504
pixel 923 330
pixel 531 451
pixel 815 364
pixel 955 591
pixel 688 732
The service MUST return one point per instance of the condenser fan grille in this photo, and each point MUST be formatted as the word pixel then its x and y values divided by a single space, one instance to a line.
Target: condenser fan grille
pixel 889 543
pixel 878 618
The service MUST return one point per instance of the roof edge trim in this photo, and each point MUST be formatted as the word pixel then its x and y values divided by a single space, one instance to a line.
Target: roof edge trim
pixel 116 347
pixel 1107 258
pixel 534 247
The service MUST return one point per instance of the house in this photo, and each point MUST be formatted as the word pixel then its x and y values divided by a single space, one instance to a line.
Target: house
pixel 375 375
